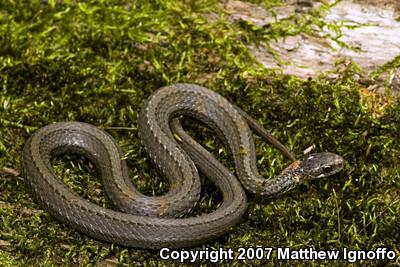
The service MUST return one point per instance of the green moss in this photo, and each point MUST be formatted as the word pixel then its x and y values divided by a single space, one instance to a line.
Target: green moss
pixel 96 62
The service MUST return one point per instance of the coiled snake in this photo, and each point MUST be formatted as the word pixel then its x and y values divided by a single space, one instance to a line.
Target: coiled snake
pixel 154 222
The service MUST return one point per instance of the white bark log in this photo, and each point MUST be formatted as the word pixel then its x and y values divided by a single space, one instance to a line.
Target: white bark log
pixel 375 39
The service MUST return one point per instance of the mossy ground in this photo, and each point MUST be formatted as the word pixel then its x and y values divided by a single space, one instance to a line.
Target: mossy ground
pixel 97 61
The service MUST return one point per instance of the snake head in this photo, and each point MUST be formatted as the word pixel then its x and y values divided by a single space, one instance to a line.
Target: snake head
pixel 320 165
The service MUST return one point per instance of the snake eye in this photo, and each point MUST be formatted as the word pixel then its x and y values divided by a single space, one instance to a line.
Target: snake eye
pixel 327 169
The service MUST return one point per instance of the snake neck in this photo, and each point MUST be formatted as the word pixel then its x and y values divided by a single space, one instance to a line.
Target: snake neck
pixel 285 181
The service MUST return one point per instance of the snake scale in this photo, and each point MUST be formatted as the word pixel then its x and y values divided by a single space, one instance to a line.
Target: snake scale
pixel 161 221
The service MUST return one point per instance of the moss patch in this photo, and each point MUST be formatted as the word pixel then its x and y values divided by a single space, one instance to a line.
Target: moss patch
pixel 97 61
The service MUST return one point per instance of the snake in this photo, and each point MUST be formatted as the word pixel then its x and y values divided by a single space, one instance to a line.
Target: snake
pixel 154 222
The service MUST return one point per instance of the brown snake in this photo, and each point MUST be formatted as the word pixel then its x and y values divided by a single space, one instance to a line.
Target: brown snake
pixel 155 222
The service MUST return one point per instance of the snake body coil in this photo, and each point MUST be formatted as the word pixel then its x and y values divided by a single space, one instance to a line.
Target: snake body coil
pixel 154 222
